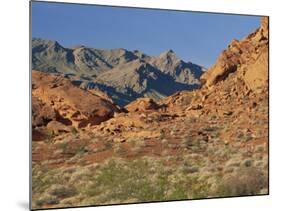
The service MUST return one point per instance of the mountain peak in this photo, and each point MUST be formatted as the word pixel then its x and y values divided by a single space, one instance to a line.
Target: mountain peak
pixel 44 41
pixel 168 52
pixel 77 46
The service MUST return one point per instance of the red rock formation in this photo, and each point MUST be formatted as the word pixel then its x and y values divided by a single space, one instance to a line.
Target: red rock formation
pixel 248 57
pixel 142 104
pixel 71 105
pixel 42 113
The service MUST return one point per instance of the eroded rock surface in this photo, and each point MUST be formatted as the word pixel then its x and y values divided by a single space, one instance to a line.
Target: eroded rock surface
pixel 71 105
pixel 248 57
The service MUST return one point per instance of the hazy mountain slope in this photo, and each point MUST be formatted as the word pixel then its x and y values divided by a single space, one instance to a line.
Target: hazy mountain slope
pixel 138 78
pixel 50 56
pixel 182 72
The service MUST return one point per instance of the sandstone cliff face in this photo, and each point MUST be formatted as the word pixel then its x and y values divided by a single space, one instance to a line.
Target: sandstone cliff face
pixel 248 57
pixel 56 98
pixel 236 85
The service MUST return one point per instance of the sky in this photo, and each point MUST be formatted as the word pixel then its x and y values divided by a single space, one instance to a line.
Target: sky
pixel 193 36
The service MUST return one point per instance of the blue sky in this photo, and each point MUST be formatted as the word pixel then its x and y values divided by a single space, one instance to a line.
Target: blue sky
pixel 195 37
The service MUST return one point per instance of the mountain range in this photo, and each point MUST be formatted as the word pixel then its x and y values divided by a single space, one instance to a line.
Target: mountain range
pixel 122 74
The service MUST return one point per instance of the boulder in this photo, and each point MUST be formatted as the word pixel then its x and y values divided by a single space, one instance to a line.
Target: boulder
pixel 57 127
pixel 42 113
pixel 142 104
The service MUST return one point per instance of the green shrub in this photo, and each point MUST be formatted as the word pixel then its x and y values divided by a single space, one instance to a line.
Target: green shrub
pixel 246 181
pixel 46 200
pixel 61 191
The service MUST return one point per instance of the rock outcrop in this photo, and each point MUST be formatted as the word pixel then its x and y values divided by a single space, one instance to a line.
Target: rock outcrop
pixel 42 113
pixel 142 104
pixel 248 57
pixel 56 98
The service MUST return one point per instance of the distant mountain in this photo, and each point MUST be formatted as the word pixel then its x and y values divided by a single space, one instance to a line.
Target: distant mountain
pixel 122 74
pixel 182 72
pixel 50 56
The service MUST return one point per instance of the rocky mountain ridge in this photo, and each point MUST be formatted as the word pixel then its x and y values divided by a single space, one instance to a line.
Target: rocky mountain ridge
pixel 122 74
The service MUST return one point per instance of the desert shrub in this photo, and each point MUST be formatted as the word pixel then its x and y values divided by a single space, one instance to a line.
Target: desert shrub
pixel 247 162
pixel 108 145
pixel 260 149
pixel 74 131
pixel 213 117
pixel 73 201
pixel 259 163
pixel 143 180
pixel 248 138
pixel 178 193
pixel 191 120
pixel 48 134
pixel 81 150
pixel 138 142
pixel 67 148
pixel 234 162
pixel 190 169
pixel 216 134
pixel 120 150
pixel 162 134
pixel 190 142
pixel 117 180
pixel 239 135
pixel 81 174
pixel 46 199
pixel 228 170
pixel 211 129
pixel 164 141
pixel 63 146
pixel 245 181
pixel 43 178
pixel 123 181
pixel 61 191
pixel 187 186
